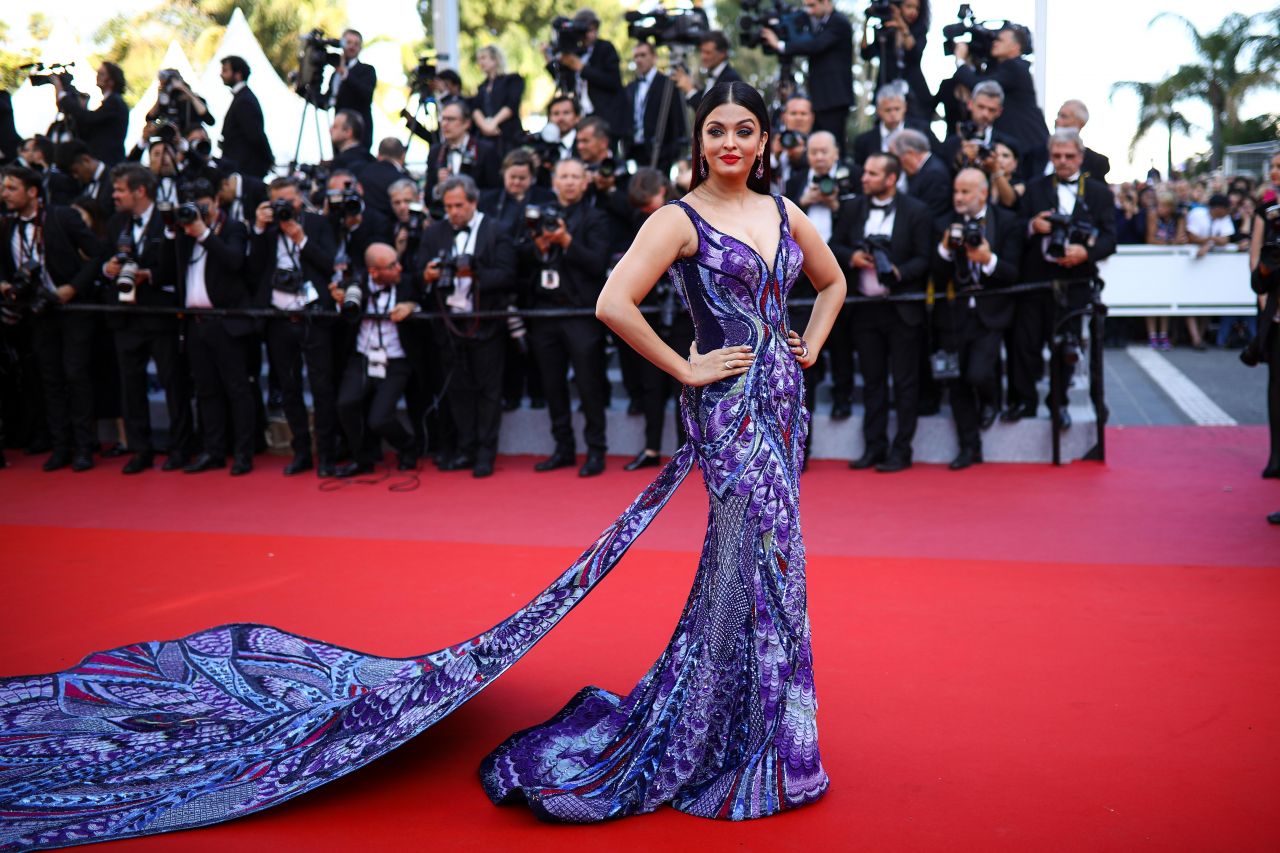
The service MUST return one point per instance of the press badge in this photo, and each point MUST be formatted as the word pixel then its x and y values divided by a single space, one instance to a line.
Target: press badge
pixel 309 293
pixel 376 359
pixel 550 279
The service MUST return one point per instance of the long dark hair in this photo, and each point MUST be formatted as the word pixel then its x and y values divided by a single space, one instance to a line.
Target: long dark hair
pixel 744 95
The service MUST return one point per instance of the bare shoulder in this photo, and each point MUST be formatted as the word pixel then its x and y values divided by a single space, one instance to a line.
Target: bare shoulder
pixel 795 216
pixel 670 225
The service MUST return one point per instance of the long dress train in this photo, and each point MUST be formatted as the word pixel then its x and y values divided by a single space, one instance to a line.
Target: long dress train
pixel 166 735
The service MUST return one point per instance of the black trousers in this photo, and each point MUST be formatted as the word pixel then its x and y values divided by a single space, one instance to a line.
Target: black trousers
pixel 290 343
pixel 367 408
pixel 978 385
pixel 63 345
pixel 1033 322
pixel 252 345
pixel 558 343
pixel 887 345
pixel 832 120
pixel 223 392
pixel 841 345
pixel 135 346
pixel 520 372
pixel 474 367
pixel 657 386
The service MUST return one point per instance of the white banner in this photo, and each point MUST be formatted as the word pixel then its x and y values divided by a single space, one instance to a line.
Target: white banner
pixel 1148 281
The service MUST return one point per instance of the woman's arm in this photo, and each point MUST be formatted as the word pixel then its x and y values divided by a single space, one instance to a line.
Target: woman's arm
pixel 666 235
pixel 827 278
pixel 1255 242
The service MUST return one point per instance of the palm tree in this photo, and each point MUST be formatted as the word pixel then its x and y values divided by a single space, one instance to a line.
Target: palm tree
pixel 1156 107
pixel 1217 77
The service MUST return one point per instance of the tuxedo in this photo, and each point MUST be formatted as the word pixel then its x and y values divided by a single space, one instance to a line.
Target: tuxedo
pixel 1021 120
pixel 973 326
pixel 932 185
pixel 728 74
pixel 952 150
pixel 647 101
pixel 62 341
pixel 602 78
pixel 244 137
pixel 103 129
pixel 509 212
pixel 886 335
pixel 250 193
pixel 354 159
pixel 485 166
pixel 920 101
pixel 829 48
pixel 1095 165
pixel 872 142
pixel 355 92
pixel 1033 324
pixel 376 178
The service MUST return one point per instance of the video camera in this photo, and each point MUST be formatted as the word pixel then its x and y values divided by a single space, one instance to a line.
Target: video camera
pixel 315 52
pixel 569 36
pixel 757 15
pixel 1067 230
pixel 29 291
pixel 423 75
pixel 43 75
pixel 877 246
pixel 883 9
pixel 666 28
pixel 981 37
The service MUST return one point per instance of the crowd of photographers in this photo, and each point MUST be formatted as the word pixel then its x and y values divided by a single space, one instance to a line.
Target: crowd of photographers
pixel 353 253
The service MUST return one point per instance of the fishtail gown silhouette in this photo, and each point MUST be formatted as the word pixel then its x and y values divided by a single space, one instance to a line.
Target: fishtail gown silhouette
pixel 167 735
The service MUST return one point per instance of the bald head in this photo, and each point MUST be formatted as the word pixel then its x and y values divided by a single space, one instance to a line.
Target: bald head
pixel 970 191
pixel 822 151
pixel 383 263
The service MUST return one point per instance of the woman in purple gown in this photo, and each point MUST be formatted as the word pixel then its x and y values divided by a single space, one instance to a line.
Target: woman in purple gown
pixel 165 735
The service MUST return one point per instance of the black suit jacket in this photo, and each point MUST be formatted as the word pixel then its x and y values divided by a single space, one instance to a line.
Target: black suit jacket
pixel 316 259
pixel 866 144
pixel 830 52
pixel 604 85
pixel 354 159
pixel 509 212
pixel 154 253
pixel 67 241
pixel 224 276
pixel 494 278
pixel 356 93
pixel 253 192
pixel 376 178
pixel 932 185
pixel 506 90
pixel 1005 236
pixel 910 245
pixel 952 148
pixel 582 266
pixel 10 140
pixel 485 168
pixel 1096 165
pixel 103 129
pixel 1022 119
pixel 674 136
pixel 728 75
pixel 1042 194
pixel 244 137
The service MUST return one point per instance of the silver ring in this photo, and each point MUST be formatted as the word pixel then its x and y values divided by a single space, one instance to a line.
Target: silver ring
pixel 729 365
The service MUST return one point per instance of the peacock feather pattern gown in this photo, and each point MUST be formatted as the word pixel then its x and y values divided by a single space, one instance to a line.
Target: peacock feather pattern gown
pixel 166 735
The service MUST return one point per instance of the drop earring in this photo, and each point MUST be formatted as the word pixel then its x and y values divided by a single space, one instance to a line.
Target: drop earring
pixel 703 167
pixel 759 167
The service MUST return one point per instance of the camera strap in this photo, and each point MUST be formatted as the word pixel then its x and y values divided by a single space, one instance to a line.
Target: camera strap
pixel 31 248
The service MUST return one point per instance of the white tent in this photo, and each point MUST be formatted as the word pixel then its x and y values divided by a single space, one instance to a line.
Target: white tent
pixel 282 109
pixel 33 106
pixel 174 58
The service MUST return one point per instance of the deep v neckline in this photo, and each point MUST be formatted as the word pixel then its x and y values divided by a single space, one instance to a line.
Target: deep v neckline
pixel 782 225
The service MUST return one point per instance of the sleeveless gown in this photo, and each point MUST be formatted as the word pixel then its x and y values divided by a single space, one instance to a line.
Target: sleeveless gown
pixel 166 735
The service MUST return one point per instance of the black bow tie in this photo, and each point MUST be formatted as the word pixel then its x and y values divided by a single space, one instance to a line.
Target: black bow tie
pixel 886 206
pixel 137 222
pixel 1069 183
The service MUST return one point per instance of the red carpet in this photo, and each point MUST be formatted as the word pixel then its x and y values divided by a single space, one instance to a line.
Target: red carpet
pixel 1008 658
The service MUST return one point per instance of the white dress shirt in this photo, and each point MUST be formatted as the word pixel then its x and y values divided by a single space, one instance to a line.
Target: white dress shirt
pixel 819 214
pixel 464 243
pixel 197 290
pixel 383 333
pixel 643 85
pixel 880 219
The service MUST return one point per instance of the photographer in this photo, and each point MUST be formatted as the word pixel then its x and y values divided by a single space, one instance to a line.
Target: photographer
pixel 177 104
pixel 1021 118
pixel 1075 115
pixel 468 263
pixel 409 222
pixel 883 242
pixel 591 72
pixel 829 47
pixel 164 160
pixel 41 268
pixel 713 57
pixel 928 178
pixel 979 251
pixel 608 179
pixel 972 145
pixel 347 135
pixel 244 137
pixel 569 249
pixel 379 370
pixel 646 96
pixel 820 190
pixel 209 262
pixel 290 264
pixel 891 116
pixel 104 128
pixel 1071 226
pixel 1264 265
pixel 92 177
pixel 408 219
pixel 378 177
pixel 135 266
pixel 787 146
pixel 899 45
pixel 239 195
pixel 461 152
pixel 352 83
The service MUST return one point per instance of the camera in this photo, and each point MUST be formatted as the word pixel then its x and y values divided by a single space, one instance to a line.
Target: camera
pixel 168 101
pixel 189 212
pixel 352 293
pixel 42 74
pixel 344 203
pixel 791 139
pixel 168 213
pixel 877 246
pixel 969 131
pixel 450 265
pixel 541 218
pixel 126 283
pixel 29 290
pixel 883 9
pixel 282 210
pixel 606 168
pixel 961 235
pixel 1067 230
pixel 839 183
pixel 568 36
pixel 164 132
pixel 287 281
pixel 787 22
pixel 423 75
pixel 687 27
pixel 981 37
pixel 315 51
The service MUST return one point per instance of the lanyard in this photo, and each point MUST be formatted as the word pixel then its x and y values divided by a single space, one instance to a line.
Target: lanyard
pixel 28 249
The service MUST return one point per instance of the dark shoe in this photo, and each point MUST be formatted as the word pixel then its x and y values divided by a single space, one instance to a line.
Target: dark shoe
pixel 174 462
pixel 353 469
pixel 895 463
pixel 593 466
pixel 1064 417
pixel 204 462
pixel 115 450
pixel 138 463
pixel 82 461
pixel 482 469
pixel 57 460
pixel 967 456
pixel 869 459
pixel 406 461
pixel 459 462
pixel 841 409
pixel 326 470
pixel 37 447
pixel 643 460
pixel 1271 472
pixel 301 462
pixel 1013 414
pixel 1274 518
pixel 987 416
pixel 241 467
pixel 559 459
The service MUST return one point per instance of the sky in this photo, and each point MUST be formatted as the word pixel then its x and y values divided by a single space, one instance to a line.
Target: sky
pixel 1088 44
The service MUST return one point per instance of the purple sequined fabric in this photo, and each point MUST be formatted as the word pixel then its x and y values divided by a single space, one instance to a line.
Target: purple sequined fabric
pixel 166 735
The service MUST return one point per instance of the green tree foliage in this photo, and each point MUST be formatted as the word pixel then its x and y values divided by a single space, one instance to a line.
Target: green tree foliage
pixel 11 59
pixel 1157 107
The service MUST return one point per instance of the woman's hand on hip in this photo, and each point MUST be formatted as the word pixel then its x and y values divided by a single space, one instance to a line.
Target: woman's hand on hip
pixel 705 368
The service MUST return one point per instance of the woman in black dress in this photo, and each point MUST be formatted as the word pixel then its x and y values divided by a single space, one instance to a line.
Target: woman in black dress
pixel 496 104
